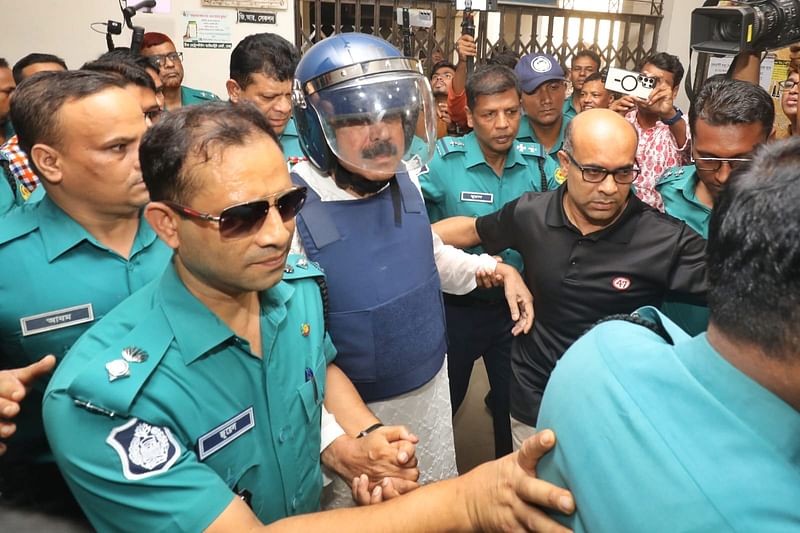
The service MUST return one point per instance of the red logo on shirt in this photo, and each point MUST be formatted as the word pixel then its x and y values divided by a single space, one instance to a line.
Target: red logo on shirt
pixel 620 283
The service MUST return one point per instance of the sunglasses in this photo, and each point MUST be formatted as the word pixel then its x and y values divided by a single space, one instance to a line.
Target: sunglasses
pixel 243 220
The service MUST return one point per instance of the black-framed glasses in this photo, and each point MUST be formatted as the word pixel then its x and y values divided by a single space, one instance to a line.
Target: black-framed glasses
pixel 161 59
pixel 593 174
pixel 713 164
pixel 787 85
pixel 242 220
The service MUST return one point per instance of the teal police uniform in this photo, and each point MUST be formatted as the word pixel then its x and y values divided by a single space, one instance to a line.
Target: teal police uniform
pixel 458 181
pixel 55 281
pixel 677 188
pixel 16 193
pixel 191 96
pixel 199 418
pixel 662 437
pixel 568 109
pixel 551 165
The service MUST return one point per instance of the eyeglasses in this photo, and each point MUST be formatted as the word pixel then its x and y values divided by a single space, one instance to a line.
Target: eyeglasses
pixel 161 59
pixel 713 164
pixel 245 219
pixel 593 174
pixel 444 77
pixel 787 85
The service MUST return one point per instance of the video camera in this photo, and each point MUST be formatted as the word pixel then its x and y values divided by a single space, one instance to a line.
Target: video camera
pixel 128 12
pixel 746 26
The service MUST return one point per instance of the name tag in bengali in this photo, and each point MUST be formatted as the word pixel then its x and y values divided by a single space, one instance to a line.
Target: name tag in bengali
pixel 481 197
pixel 60 318
pixel 225 433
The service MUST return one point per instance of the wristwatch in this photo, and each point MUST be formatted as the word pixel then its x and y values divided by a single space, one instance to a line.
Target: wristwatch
pixel 675 118
pixel 369 430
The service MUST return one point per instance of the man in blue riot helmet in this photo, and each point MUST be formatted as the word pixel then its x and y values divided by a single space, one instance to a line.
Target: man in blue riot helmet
pixel 367 123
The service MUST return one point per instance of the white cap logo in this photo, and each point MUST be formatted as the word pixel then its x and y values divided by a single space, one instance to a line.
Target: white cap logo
pixel 541 64
pixel 620 283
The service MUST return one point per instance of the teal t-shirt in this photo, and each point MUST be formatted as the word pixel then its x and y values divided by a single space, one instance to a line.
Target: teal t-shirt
pixel 568 109
pixel 202 418
pixel 662 438
pixel 677 188
pixel 56 280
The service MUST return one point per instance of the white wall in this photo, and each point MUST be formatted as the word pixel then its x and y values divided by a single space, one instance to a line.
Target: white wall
pixel 673 37
pixel 61 27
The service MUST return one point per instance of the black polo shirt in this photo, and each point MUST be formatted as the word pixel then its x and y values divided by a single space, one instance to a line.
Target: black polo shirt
pixel 578 279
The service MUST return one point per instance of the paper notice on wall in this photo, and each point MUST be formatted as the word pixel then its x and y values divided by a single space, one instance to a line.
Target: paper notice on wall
pixel 720 65
pixel 208 29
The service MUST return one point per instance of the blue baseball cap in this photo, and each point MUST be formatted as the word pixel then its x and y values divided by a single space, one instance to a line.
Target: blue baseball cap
pixel 535 69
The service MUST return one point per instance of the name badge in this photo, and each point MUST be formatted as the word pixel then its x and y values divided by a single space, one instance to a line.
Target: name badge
pixel 481 197
pixel 61 318
pixel 225 433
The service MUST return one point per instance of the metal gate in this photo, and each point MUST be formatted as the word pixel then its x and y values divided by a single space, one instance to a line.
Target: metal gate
pixel 622 39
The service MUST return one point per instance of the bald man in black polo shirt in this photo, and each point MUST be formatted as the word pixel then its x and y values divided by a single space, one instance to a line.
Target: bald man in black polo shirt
pixel 591 249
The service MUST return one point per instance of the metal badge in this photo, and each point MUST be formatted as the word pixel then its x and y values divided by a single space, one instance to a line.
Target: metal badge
pixel 118 368
pixel 288 269
pixel 132 354
pixel 302 263
pixel 305 329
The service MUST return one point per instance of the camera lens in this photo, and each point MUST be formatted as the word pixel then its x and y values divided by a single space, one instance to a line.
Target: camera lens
pixel 728 29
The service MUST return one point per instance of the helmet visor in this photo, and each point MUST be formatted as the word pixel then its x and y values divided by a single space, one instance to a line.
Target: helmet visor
pixel 379 125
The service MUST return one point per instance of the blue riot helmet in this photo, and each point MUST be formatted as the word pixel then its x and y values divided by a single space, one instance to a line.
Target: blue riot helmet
pixel 359 104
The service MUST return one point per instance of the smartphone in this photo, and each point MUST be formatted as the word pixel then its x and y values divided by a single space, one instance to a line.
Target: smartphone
pixel 626 82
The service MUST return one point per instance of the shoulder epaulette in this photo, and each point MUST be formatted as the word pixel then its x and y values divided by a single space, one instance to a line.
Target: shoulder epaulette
pixel 110 383
pixel 18 222
pixel 298 266
pixel 207 95
pixel 672 174
pixel 449 145
pixel 529 149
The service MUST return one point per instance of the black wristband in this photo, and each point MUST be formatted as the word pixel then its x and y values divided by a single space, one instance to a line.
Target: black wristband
pixel 675 118
pixel 369 430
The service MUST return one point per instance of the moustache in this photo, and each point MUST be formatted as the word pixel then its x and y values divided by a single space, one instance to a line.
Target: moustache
pixel 379 149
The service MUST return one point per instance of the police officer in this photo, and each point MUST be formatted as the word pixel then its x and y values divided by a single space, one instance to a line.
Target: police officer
pixel 199 397
pixel 161 48
pixel 729 120
pixel 365 223
pixel 70 258
pixel 544 90
pixel 475 175
pixel 261 72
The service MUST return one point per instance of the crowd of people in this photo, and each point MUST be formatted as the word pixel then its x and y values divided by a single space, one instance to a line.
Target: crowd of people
pixel 240 313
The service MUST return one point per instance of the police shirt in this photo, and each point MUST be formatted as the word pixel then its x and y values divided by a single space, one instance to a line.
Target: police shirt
pixel 191 96
pixel 677 188
pixel 568 109
pixel 664 437
pixel 578 279
pixel 459 181
pixel 160 414
pixel 551 165
pixel 56 280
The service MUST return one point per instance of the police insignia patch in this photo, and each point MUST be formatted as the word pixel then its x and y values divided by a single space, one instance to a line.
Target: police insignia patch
pixel 144 450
